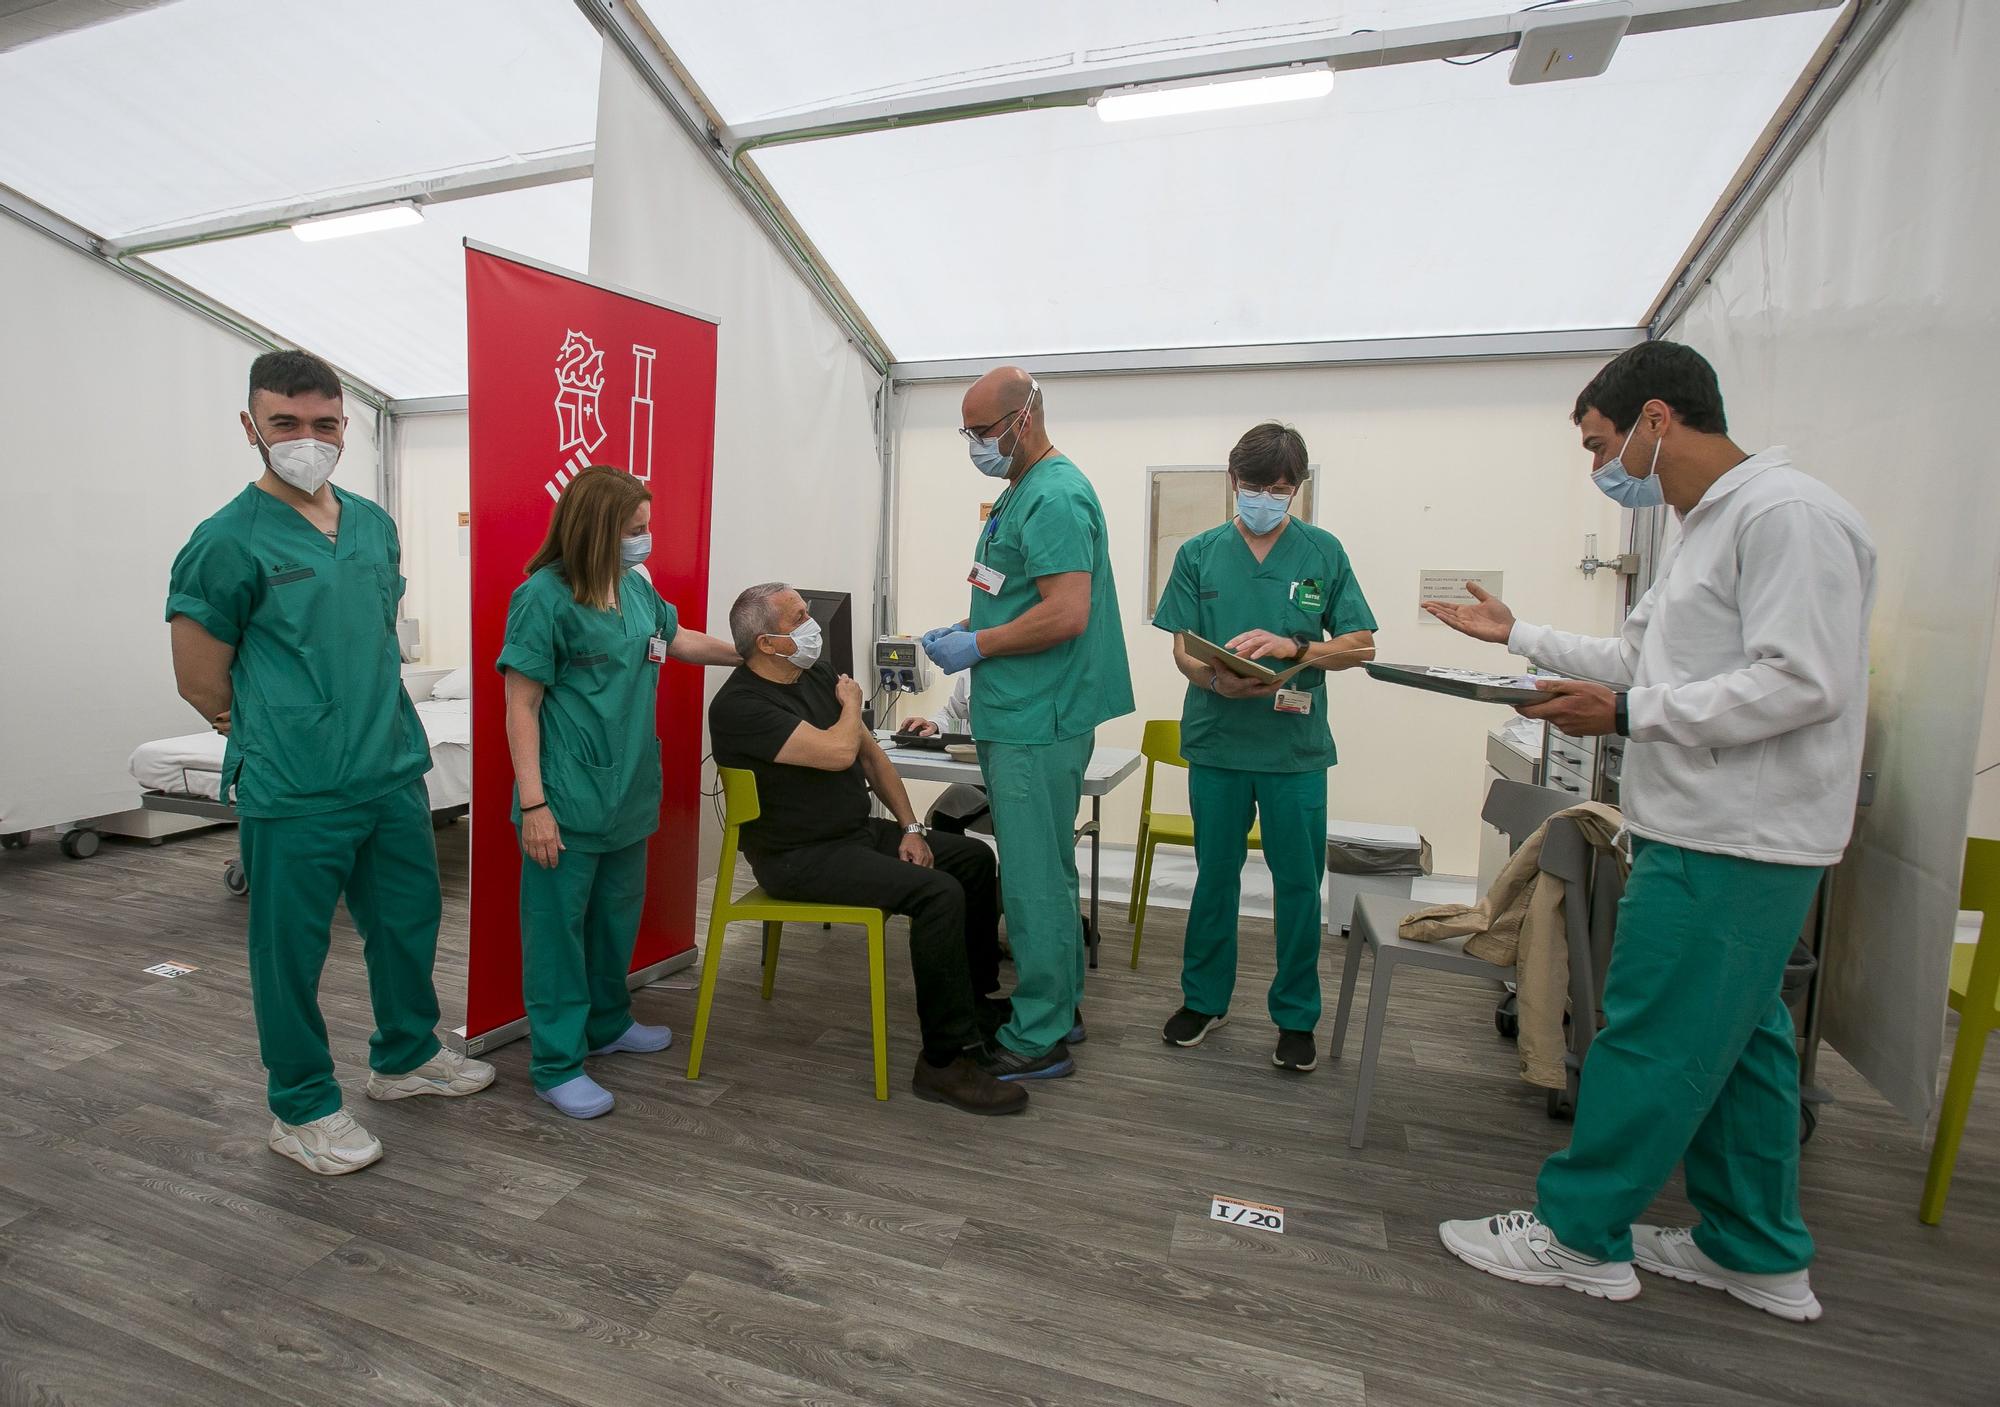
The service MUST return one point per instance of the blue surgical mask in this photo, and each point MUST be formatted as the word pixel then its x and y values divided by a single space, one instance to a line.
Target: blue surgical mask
pixel 1261 512
pixel 634 550
pixel 1624 490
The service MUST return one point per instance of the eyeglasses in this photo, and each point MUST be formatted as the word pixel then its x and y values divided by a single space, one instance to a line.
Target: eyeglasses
pixel 984 432
pixel 1274 495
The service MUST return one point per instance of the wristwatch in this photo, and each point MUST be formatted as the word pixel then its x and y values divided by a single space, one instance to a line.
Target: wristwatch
pixel 1621 714
pixel 916 828
pixel 1304 642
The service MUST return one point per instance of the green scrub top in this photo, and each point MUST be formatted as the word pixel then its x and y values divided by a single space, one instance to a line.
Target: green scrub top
pixel 1218 590
pixel 319 720
pixel 1049 522
pixel 600 734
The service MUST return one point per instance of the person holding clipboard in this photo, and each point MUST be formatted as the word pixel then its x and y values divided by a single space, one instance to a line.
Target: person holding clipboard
pixel 1271 590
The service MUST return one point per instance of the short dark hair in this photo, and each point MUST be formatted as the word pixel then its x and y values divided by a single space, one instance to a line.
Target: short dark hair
pixel 1656 371
pixel 1269 454
pixel 293 373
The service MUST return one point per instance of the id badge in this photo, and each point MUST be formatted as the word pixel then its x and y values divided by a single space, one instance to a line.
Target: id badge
pixel 1309 596
pixel 984 578
pixel 1292 701
pixel 656 650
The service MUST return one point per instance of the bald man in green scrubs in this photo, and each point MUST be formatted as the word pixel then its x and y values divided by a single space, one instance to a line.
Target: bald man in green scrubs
pixel 1047 654
pixel 1271 589
pixel 283 612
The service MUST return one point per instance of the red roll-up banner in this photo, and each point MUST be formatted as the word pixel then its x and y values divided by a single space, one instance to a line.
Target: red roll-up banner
pixel 566 373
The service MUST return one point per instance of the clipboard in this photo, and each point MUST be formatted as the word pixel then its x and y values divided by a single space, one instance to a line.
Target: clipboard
pixel 1459 683
pixel 1214 656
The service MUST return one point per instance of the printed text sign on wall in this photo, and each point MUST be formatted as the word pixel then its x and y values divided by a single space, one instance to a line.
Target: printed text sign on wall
pixel 1439 585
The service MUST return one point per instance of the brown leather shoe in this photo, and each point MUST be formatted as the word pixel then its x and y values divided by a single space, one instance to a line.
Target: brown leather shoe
pixel 965 1086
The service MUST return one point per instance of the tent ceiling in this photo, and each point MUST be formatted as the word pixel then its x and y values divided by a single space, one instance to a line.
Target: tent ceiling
pixel 1418 200
pixel 213 107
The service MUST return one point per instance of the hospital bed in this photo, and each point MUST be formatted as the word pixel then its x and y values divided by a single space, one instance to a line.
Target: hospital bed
pixel 183 775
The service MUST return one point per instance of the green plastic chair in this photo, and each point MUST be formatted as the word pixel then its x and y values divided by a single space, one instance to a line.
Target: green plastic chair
pixel 1974 994
pixel 1160 745
pixel 739 794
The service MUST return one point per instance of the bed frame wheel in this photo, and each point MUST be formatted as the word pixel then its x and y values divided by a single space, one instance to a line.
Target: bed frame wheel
pixel 234 880
pixel 81 843
pixel 17 841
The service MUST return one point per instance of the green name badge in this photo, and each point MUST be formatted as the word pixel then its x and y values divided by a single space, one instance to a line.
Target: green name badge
pixel 1309 596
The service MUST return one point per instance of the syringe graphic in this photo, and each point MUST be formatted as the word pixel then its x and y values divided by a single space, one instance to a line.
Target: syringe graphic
pixel 640 445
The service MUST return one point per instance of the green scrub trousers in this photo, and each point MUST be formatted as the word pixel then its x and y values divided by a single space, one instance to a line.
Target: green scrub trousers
pixel 579 922
pixel 1291 807
pixel 383 855
pixel 1035 789
pixel 1696 1063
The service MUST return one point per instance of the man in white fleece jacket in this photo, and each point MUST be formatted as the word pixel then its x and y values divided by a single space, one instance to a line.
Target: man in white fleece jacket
pixel 1741 679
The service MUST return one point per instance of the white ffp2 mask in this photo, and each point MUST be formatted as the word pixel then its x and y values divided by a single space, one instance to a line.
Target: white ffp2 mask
pixel 304 464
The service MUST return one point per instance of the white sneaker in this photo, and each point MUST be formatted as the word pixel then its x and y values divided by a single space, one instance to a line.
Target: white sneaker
pixel 1516 1246
pixel 447 1073
pixel 1671 1251
pixel 329 1146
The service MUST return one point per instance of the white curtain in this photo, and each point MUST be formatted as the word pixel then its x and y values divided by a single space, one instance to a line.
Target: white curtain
pixel 1856 322
pixel 798 479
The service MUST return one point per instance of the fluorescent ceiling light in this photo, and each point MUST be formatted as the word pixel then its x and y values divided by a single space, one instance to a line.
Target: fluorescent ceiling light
pixel 1215 94
pixel 354 222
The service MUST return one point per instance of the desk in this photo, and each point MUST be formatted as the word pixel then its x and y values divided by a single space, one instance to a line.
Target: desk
pixel 1108 767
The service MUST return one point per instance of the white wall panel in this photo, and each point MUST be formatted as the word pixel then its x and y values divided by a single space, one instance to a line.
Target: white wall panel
pixel 1855 322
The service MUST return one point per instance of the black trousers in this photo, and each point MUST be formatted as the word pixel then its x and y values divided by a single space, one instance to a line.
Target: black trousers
pixel 953 911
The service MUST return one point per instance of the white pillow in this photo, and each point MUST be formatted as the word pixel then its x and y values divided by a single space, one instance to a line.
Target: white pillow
pixel 455 685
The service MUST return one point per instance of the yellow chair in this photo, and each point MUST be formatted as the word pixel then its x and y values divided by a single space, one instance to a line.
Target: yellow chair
pixel 739 793
pixel 1161 745
pixel 1975 995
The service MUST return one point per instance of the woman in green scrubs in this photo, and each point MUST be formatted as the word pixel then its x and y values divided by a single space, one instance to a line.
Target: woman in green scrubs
pixel 1272 589
pixel 586 637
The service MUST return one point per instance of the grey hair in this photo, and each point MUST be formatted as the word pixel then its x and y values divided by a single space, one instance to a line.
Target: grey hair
pixel 753 615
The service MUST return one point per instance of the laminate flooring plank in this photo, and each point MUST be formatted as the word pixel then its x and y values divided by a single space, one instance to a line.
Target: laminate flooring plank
pixel 868 1359
pixel 152 1206
pixel 52 1357
pixel 263 1339
pixel 598 1275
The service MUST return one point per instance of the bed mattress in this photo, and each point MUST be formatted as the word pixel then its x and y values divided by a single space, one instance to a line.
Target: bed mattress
pixel 192 765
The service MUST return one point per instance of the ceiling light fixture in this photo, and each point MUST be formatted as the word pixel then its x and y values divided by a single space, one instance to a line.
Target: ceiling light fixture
pixel 354 222
pixel 1214 94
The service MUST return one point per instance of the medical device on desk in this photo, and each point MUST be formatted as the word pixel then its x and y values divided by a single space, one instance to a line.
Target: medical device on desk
pixel 900 666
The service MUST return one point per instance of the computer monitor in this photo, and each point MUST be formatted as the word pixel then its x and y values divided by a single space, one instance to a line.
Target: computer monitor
pixel 834 610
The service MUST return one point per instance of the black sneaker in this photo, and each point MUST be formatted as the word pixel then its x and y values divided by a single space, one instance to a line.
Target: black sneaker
pixel 1295 1052
pixel 1189 1027
pixel 1004 1064
pixel 1077 1035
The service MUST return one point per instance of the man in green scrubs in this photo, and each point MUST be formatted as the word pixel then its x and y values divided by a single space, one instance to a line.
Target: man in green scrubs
pixel 1272 589
pixel 283 613
pixel 1047 654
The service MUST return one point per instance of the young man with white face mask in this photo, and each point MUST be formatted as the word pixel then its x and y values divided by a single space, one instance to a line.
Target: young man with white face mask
pixel 283 612
pixel 788 719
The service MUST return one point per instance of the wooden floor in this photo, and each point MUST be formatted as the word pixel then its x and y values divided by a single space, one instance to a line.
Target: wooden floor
pixel 773 1235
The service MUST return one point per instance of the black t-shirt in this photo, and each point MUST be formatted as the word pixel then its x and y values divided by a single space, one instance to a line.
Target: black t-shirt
pixel 749 721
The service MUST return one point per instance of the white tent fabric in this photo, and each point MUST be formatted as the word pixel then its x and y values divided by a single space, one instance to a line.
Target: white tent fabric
pixel 209 108
pixel 1416 200
pixel 798 485
pixel 1859 307
pixel 389 306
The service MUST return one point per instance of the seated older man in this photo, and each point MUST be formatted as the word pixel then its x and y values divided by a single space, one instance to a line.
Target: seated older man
pixel 787 718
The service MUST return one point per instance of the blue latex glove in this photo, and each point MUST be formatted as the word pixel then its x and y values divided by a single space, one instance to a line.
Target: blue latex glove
pixel 953 649
pixel 931 637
